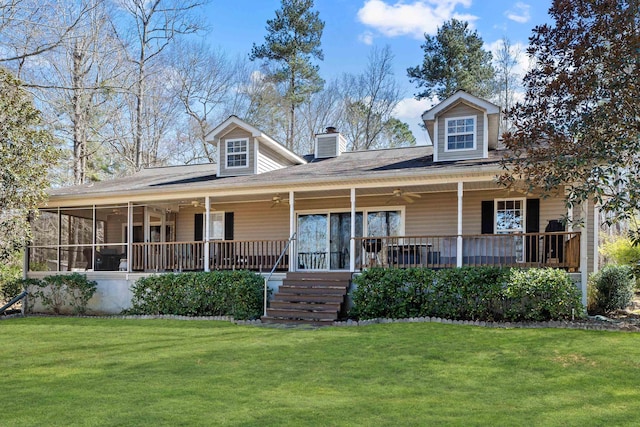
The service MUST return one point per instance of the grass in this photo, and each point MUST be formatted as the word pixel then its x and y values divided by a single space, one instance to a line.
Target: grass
pixel 108 372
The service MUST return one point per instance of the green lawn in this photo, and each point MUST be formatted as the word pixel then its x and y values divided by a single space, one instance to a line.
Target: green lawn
pixel 66 371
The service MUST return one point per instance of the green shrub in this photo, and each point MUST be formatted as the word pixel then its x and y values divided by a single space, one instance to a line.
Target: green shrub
pixel 610 289
pixel 541 294
pixel 465 293
pixel 622 251
pixel 471 293
pixel 56 291
pixel 218 293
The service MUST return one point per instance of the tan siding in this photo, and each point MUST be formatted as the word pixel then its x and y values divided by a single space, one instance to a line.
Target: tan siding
pixel 269 160
pixel 185 223
pixel 432 215
pixel 222 148
pixel 461 110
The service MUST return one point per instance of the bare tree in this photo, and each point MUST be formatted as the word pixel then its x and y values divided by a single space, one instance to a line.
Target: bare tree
pixel 507 80
pixel 370 99
pixel 156 24
pixel 26 28
pixel 204 81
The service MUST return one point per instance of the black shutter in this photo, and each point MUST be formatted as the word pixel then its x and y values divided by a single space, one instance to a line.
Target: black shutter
pixel 533 215
pixel 198 227
pixel 487 217
pixel 228 226
pixel 532 226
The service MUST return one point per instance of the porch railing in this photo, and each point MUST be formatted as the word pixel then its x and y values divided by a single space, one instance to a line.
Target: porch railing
pixel 260 255
pixel 558 249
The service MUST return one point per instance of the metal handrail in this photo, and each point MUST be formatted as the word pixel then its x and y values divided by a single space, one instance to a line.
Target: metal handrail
pixel 273 269
pixel 13 301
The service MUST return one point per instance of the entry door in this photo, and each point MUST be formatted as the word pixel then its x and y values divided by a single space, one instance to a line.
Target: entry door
pixel 340 239
pixel 313 242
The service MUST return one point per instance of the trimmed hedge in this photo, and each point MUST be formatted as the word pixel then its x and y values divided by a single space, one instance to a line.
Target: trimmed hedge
pixel 218 293
pixel 468 293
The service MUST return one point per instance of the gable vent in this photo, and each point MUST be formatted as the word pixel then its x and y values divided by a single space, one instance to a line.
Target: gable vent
pixel 330 144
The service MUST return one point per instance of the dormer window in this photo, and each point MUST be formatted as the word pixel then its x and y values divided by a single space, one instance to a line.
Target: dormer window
pixel 460 134
pixel 237 153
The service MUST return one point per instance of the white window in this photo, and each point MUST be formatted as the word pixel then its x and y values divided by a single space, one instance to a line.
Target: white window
pixel 216 226
pixel 237 153
pixel 460 134
pixel 509 216
pixel 510 219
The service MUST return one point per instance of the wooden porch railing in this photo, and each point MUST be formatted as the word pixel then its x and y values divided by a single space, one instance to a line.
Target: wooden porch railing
pixel 259 255
pixel 557 249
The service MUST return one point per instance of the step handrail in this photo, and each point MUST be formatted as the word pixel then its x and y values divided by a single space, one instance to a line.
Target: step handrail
pixel 14 300
pixel 266 280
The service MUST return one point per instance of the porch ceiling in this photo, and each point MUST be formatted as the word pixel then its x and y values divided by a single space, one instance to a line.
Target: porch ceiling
pixel 326 194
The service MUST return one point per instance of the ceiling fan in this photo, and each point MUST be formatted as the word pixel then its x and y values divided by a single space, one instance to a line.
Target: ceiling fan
pixel 276 200
pixel 404 195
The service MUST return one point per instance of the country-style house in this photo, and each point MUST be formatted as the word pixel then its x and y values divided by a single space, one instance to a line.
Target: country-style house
pixel 436 206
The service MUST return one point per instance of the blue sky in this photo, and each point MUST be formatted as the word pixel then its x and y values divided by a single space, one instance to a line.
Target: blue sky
pixel 353 26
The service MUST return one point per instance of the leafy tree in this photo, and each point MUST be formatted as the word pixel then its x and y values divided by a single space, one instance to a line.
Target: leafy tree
pixel 580 123
pixel 26 152
pixel 453 59
pixel 292 40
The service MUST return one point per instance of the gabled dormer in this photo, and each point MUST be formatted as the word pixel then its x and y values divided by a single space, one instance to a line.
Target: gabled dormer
pixel 245 150
pixel 462 127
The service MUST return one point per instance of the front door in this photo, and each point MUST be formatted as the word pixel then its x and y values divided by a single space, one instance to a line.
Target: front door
pixel 324 240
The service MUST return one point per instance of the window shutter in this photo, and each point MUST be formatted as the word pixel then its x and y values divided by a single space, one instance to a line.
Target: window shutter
pixel 533 215
pixel 532 226
pixel 228 226
pixel 198 227
pixel 487 217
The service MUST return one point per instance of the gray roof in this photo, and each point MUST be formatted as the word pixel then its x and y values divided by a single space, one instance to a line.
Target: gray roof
pixel 349 167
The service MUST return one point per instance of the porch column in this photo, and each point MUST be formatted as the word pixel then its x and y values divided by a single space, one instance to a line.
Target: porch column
pixel 93 239
pixel 207 212
pixel 292 229
pixel 596 237
pixel 584 247
pixel 459 239
pixel 352 242
pixel 129 236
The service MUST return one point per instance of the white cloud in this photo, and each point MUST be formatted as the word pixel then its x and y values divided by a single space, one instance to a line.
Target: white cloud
pixel 519 13
pixel 411 18
pixel 366 38
pixel 409 110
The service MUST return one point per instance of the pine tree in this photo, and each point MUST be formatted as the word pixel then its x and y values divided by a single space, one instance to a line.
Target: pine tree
pixel 292 41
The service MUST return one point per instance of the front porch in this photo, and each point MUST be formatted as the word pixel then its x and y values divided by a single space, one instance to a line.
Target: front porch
pixel 527 250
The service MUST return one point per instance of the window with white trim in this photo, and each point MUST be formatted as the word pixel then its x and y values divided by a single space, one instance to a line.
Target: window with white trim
pixel 510 219
pixel 509 216
pixel 237 153
pixel 460 133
